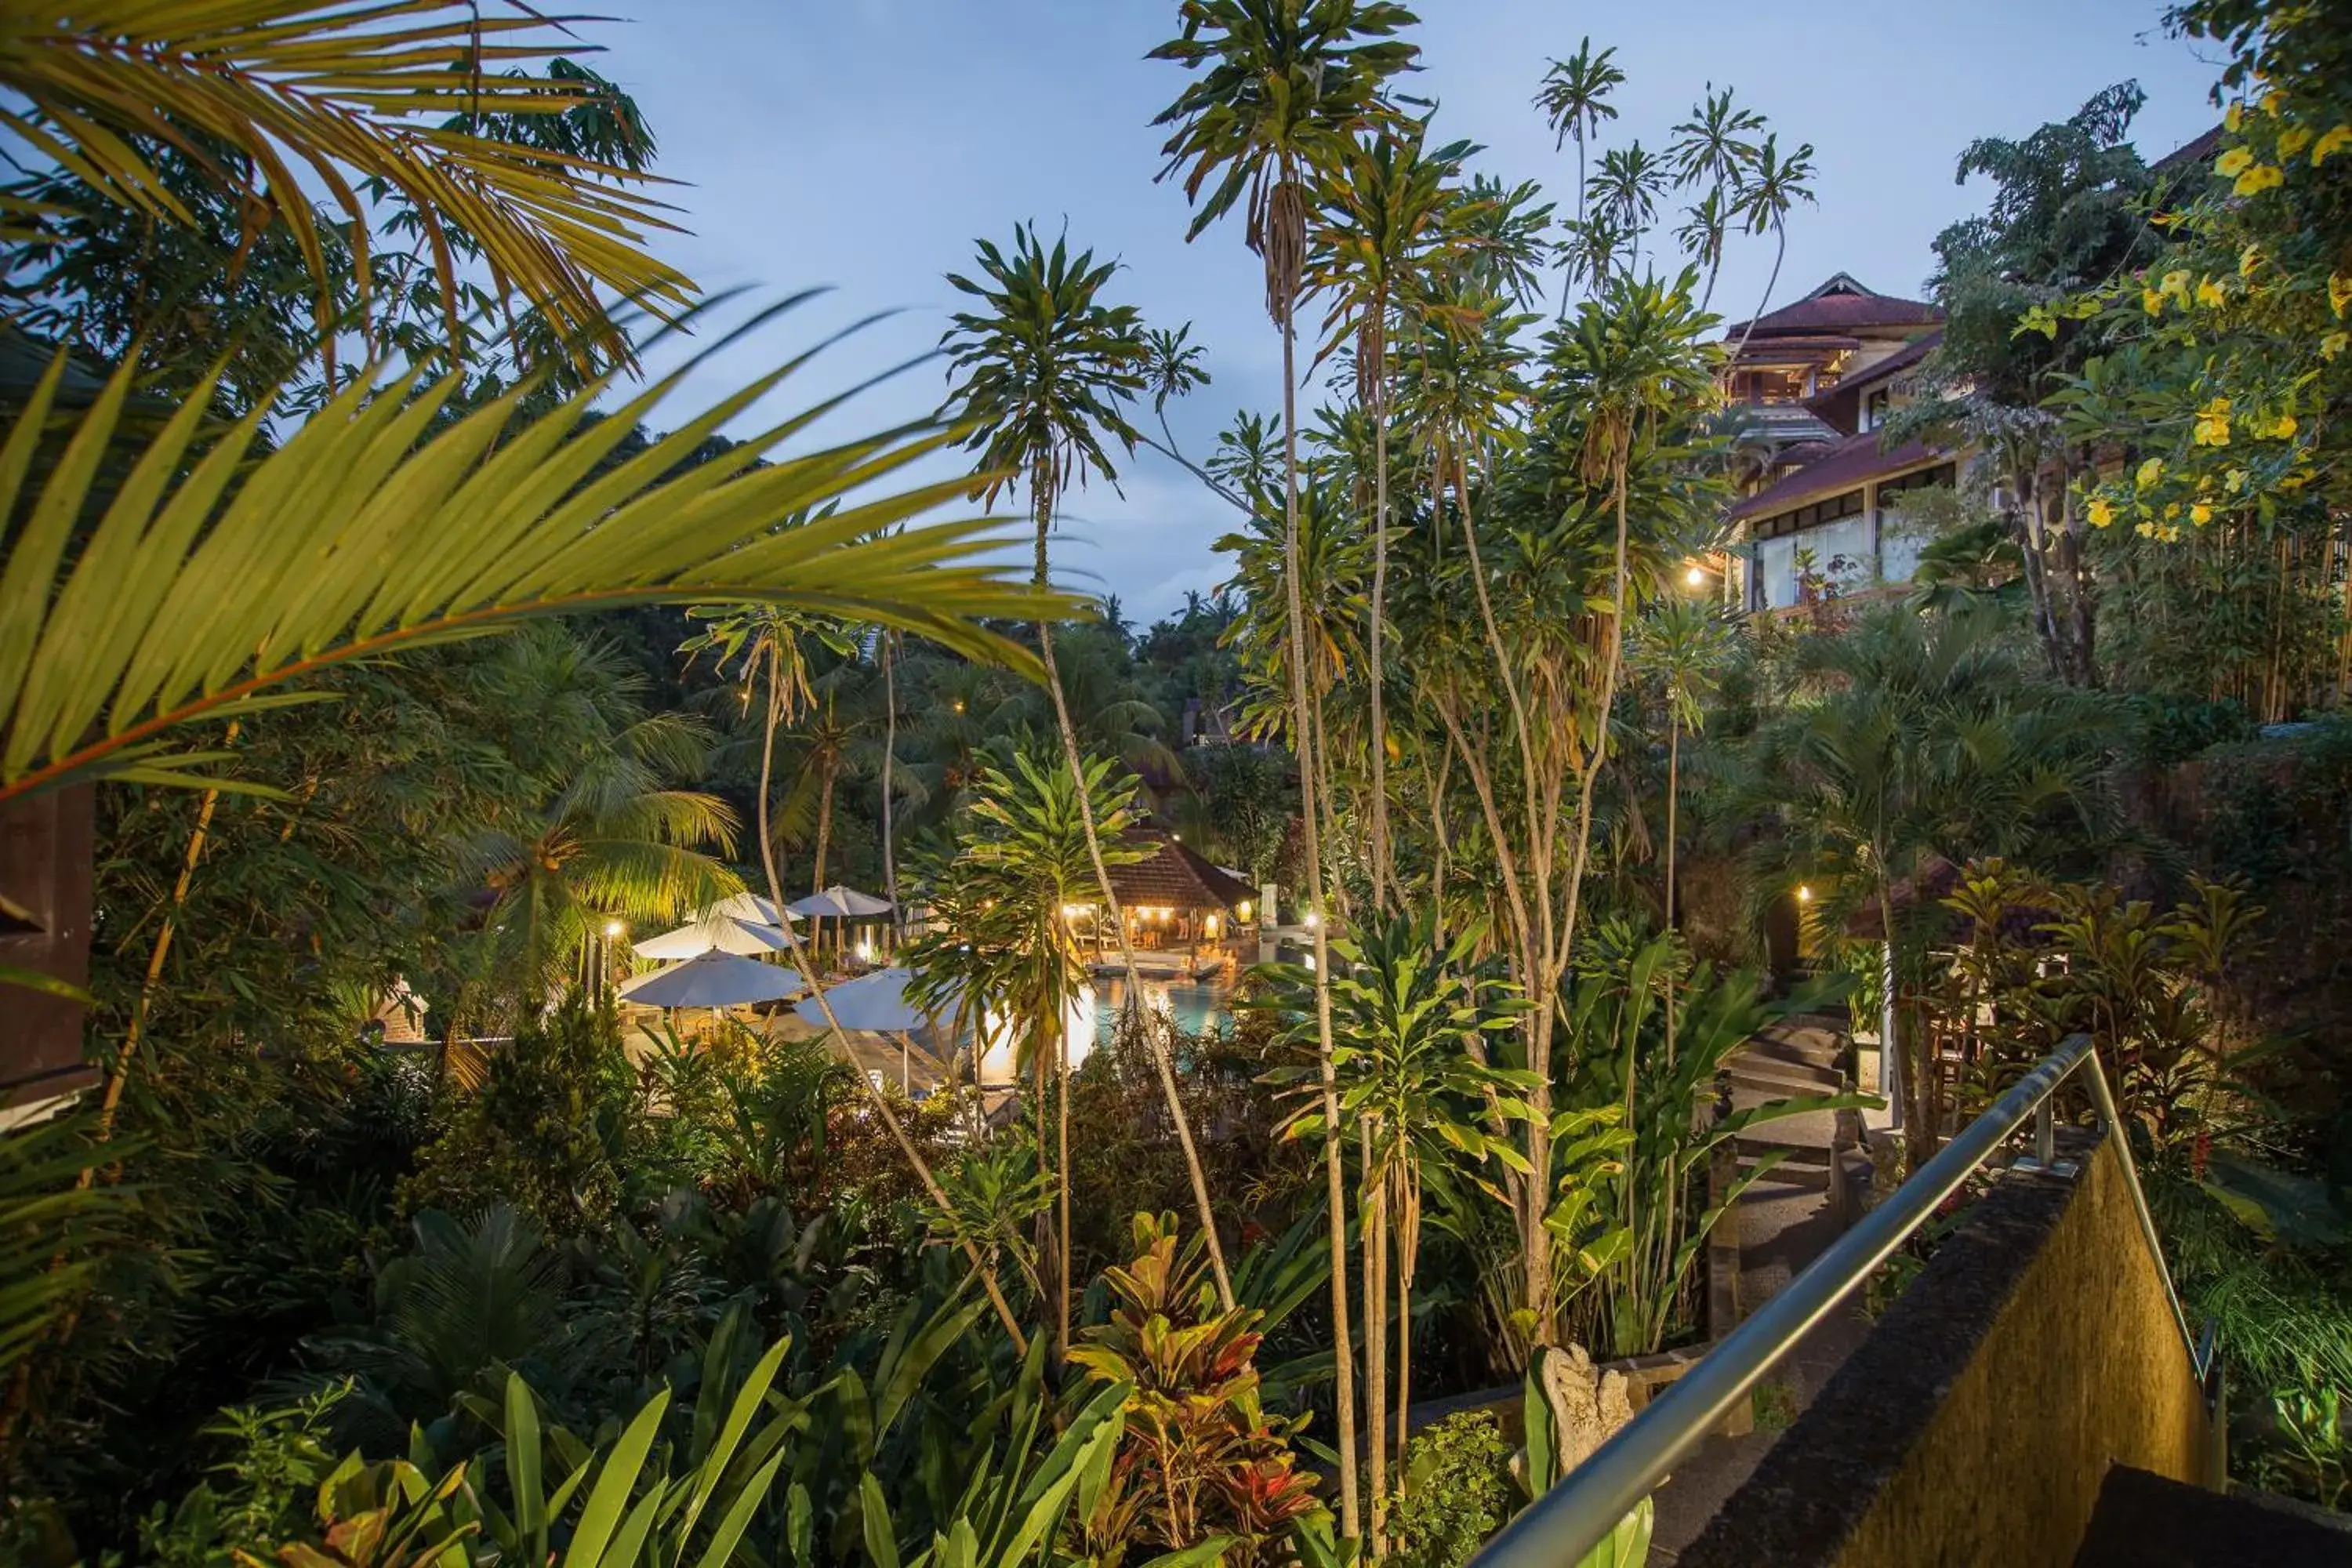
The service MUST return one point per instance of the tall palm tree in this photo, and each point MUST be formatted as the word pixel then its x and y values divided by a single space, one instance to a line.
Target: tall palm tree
pixel 1383 208
pixel 1684 645
pixel 1574 98
pixel 1046 371
pixel 1713 148
pixel 1761 201
pixel 1281 88
pixel 1031 856
pixel 1627 188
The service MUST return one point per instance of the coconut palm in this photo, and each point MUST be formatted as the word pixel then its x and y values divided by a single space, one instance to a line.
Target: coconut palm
pixel 1046 371
pixel 1280 89
pixel 1712 149
pixel 1761 200
pixel 610 837
pixel 1574 98
pixel 1706 226
pixel 303 95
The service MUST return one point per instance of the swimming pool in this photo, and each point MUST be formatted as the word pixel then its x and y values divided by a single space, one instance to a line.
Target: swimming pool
pixel 1197 1004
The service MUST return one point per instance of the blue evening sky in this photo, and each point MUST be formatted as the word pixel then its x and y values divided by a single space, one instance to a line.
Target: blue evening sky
pixel 864 143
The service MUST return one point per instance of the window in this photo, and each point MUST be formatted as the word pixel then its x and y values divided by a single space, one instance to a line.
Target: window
pixel 1899 541
pixel 1874 406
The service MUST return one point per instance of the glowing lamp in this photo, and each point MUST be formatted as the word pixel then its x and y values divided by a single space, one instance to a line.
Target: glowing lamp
pixel 1804 894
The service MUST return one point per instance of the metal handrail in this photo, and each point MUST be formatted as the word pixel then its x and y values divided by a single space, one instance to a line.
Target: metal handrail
pixel 1568 1522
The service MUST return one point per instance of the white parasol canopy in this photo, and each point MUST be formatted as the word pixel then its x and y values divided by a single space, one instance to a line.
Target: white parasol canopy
pixel 876 1002
pixel 838 902
pixel 748 907
pixel 721 933
pixel 713 980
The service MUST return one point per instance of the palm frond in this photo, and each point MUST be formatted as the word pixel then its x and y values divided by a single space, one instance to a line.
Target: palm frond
pixel 370 531
pixel 386 94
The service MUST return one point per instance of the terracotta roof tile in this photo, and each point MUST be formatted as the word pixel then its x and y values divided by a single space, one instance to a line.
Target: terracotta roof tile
pixel 1852 461
pixel 1840 312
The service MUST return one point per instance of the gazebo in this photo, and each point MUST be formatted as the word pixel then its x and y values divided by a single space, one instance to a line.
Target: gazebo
pixel 1175 897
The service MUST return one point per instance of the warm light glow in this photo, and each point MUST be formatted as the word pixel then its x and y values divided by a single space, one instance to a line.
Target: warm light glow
pixel 959 706
pixel 1696 576
pixel 865 952
pixel 1209 927
pixel 1072 911
pixel 1313 920
pixel 1804 894
pixel 1177 837
pixel 1242 909
pixel 613 928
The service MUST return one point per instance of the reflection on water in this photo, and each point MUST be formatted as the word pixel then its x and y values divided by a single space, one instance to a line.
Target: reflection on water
pixel 1195 1005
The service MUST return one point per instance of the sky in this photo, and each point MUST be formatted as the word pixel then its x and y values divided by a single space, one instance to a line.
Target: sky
pixel 865 145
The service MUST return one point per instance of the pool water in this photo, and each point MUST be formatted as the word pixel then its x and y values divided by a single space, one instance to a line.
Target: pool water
pixel 1195 1005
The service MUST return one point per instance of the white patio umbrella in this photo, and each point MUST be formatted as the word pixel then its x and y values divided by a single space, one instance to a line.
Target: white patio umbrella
pixel 722 933
pixel 838 902
pixel 713 980
pixel 748 907
pixel 876 1003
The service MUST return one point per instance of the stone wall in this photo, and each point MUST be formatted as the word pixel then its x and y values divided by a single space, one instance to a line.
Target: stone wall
pixel 1979 1420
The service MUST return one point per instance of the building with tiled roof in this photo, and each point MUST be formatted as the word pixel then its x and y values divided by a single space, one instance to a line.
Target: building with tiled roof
pixel 1176 895
pixel 1812 387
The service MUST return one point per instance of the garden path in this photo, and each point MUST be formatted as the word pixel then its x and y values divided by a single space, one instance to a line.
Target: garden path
pixel 1785 1220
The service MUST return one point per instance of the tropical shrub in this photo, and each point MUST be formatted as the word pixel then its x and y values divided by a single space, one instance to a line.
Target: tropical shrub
pixel 544 1132
pixel 1456 1491
pixel 1202 1460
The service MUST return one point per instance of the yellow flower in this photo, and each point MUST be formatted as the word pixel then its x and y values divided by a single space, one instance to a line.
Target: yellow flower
pixel 2282 428
pixel 2257 179
pixel 2146 530
pixel 2335 141
pixel 2270 102
pixel 2235 161
pixel 2247 260
pixel 2176 283
pixel 2293 139
pixel 2339 292
pixel 2234 116
pixel 2334 344
pixel 2149 472
pixel 2152 301
pixel 2209 294
pixel 2201 514
pixel 2234 480
pixel 2100 513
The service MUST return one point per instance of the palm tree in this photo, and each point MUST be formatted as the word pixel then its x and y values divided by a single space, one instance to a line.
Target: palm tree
pixel 1046 371
pixel 1381 210
pixel 1574 98
pixel 1683 644
pixel 1712 148
pixel 1627 188
pixel 610 838
pixel 300 96
pixel 1761 200
pixel 1283 87
pixel 1923 739
pixel 1031 855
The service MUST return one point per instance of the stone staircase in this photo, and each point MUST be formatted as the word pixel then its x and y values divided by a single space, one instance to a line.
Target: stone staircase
pixel 1804 1055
